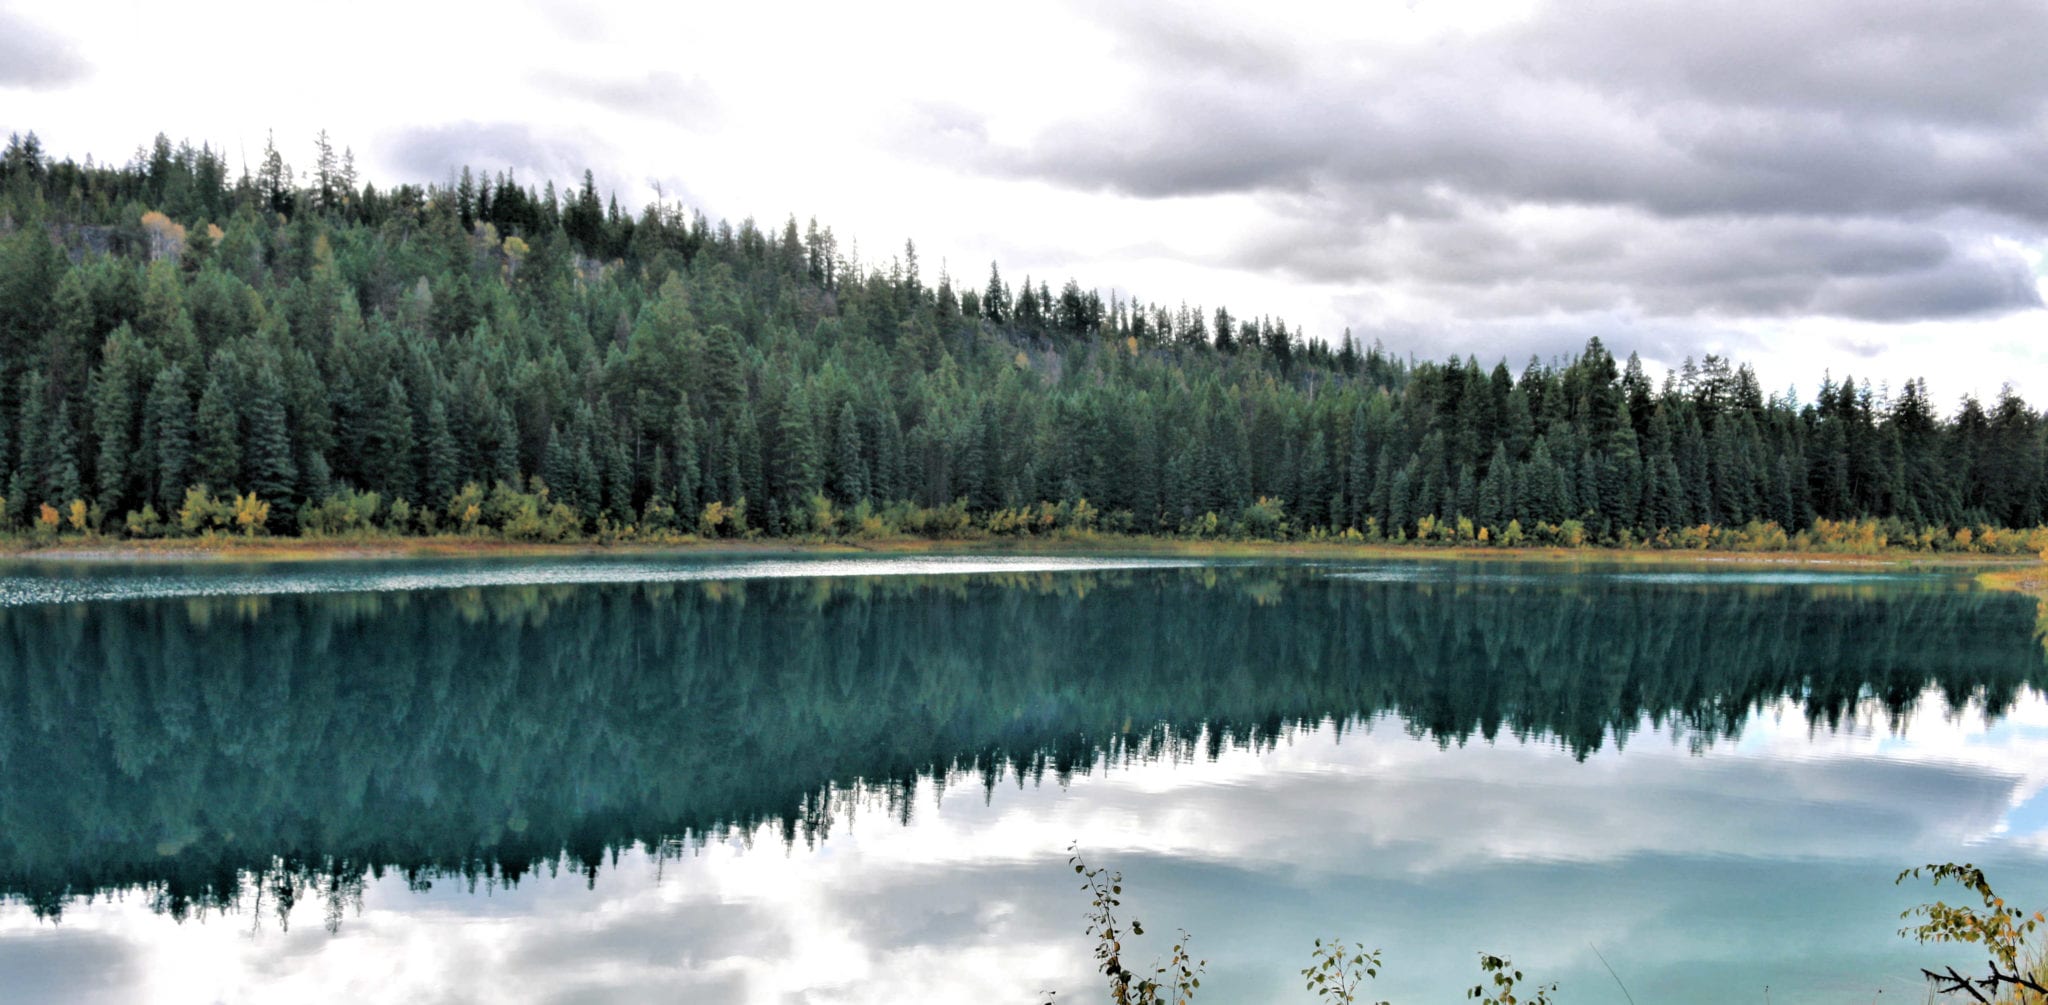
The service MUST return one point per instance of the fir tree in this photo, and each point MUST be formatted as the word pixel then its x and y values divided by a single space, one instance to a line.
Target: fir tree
pixel 61 481
pixel 849 478
pixel 217 439
pixel 269 469
pixel 440 474
pixel 558 468
pixel 795 472
pixel 167 437
pixel 688 474
pixel 388 444
pixel 116 416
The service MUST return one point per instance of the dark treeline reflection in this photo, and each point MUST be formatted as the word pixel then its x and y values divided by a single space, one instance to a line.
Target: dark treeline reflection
pixel 210 753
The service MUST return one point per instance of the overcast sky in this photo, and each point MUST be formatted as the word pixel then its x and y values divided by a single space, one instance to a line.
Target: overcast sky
pixel 1850 185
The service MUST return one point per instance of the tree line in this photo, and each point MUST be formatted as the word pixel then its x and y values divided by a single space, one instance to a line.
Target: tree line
pixel 184 351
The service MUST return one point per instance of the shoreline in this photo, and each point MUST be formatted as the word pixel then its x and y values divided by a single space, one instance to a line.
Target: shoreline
pixel 2023 573
pixel 2031 581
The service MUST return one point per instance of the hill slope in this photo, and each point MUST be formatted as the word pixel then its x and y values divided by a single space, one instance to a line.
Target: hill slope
pixel 485 356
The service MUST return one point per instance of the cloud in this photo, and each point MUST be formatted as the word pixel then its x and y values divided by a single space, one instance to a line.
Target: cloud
pixel 581 22
pixel 1661 159
pixel 656 94
pixel 35 58
pixel 1660 341
pixel 1538 258
pixel 1974 61
pixel 1976 281
pixel 1452 173
pixel 438 152
pixel 1650 105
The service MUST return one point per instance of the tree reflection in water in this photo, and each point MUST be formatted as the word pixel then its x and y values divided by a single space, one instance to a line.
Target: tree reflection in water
pixel 229 752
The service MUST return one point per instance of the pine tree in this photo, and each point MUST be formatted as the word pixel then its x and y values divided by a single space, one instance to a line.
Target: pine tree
pixel 309 419
pixel 1783 508
pixel 558 468
pixel 349 179
pixel 1539 500
pixel 749 483
pixel 32 457
pixel 61 481
pixel 889 482
pixel 1313 483
pixel 71 343
pixel 1667 496
pixel 7 455
pixel 465 199
pixel 1027 315
pixel 1495 499
pixel 270 472
pixel 726 479
pixel 617 472
pixel 217 439
pixel 167 437
pixel 1402 515
pixel 116 421
pixel 274 179
pixel 795 472
pixel 1731 482
pixel 388 444
pixel 165 322
pixel 1359 471
pixel 1689 451
pixel 31 269
pixel 849 479
pixel 585 453
pixel 441 475
pixel 688 475
pixel 504 446
pixel 1588 501
pixel 722 375
pixel 326 174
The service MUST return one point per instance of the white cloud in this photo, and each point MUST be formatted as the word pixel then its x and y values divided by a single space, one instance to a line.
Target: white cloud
pixel 1499 178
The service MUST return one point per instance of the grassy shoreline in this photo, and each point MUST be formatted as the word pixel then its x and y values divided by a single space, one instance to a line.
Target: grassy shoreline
pixel 2022 573
pixel 2031 580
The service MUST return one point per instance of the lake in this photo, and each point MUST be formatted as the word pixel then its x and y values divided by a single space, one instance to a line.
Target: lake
pixel 791 779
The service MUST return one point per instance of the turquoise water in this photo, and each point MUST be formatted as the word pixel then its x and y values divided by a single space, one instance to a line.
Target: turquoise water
pixel 787 779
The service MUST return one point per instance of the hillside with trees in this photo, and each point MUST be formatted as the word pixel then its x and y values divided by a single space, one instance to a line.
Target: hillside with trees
pixel 189 350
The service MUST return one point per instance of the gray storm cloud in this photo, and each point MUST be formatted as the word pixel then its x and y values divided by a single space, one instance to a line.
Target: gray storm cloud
pixel 1664 160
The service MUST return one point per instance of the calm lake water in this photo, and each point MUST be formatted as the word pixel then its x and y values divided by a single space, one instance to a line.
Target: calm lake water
pixel 790 779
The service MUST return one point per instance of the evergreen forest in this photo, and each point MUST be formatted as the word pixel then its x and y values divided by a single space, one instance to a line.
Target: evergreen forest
pixel 190 350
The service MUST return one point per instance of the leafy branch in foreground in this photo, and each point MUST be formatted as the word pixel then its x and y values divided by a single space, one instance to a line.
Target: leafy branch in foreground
pixel 1504 979
pixel 1337 974
pixel 2000 929
pixel 1172 984
pixel 1339 970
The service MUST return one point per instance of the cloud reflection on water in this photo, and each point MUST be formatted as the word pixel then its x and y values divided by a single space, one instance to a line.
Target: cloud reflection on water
pixel 1738 866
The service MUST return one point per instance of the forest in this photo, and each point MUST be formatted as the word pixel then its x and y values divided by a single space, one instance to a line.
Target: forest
pixel 188 350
